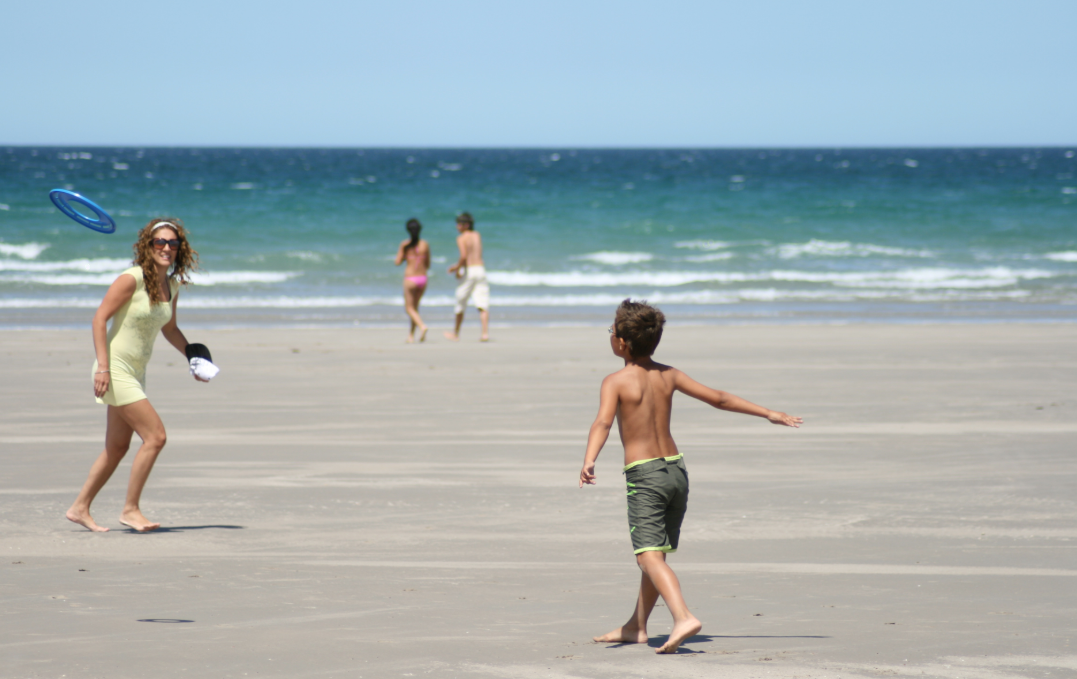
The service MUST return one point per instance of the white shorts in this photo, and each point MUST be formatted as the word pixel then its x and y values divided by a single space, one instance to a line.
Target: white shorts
pixel 474 283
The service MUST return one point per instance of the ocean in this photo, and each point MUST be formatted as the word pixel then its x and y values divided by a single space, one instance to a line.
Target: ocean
pixel 306 237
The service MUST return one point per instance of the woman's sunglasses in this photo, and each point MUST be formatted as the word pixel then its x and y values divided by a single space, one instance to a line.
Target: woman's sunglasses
pixel 160 243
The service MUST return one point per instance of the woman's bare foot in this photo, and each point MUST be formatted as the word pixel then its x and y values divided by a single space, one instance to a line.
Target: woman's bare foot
pixel 484 338
pixel 623 635
pixel 83 518
pixel 422 336
pixel 451 336
pixel 410 339
pixel 681 631
pixel 136 521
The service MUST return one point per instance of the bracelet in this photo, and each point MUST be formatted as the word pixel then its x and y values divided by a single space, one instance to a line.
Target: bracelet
pixel 101 371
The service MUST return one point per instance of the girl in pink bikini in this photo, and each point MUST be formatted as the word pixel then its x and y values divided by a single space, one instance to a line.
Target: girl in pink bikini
pixel 417 254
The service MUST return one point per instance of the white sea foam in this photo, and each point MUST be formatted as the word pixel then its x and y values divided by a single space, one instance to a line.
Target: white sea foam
pixel 60 279
pixel 85 265
pixel 700 297
pixel 1069 256
pixel 25 251
pixel 49 303
pixel 702 244
pixel 822 248
pixel 242 277
pixel 918 279
pixel 290 302
pixel 243 186
pixel 306 255
pixel 194 301
pixel 616 258
pixel 713 257
pixel 200 278
pixel 921 278
pixel 585 279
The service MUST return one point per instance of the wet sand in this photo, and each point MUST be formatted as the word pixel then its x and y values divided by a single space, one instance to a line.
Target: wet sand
pixel 340 504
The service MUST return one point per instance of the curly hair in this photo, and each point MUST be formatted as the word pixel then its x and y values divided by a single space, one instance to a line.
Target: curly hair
pixel 185 261
pixel 640 325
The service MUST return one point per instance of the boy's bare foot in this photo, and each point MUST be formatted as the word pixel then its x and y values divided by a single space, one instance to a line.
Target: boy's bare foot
pixel 623 635
pixel 681 631
pixel 422 337
pixel 484 338
pixel 451 336
pixel 136 521
pixel 83 518
pixel 410 339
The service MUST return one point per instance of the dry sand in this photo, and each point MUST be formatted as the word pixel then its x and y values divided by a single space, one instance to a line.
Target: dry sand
pixel 339 504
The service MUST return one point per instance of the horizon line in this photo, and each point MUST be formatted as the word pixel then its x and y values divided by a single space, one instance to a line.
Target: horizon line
pixel 838 147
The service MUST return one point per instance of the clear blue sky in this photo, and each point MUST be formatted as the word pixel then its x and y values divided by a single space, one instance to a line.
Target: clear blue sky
pixel 551 73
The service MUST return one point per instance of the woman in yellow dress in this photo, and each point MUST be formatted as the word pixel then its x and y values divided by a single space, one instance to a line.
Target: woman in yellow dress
pixel 141 302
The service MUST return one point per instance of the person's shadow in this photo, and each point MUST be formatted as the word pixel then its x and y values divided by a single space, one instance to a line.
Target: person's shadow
pixel 183 529
pixel 658 641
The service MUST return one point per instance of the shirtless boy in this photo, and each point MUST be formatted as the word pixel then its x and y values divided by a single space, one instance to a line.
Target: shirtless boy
pixel 471 273
pixel 640 396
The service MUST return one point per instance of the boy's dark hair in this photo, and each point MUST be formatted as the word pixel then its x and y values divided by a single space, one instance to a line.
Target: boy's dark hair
pixel 465 218
pixel 640 325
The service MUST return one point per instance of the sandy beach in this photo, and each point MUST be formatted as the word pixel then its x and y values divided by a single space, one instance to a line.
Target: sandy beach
pixel 339 504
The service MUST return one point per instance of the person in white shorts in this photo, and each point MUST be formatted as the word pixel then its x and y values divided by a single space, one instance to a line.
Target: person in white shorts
pixel 471 272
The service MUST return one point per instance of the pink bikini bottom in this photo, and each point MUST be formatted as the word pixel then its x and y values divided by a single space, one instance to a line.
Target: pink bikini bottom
pixel 417 280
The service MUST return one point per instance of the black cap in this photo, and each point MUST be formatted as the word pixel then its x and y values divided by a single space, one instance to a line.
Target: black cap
pixel 198 351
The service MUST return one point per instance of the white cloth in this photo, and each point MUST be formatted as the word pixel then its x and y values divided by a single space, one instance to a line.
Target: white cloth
pixel 474 283
pixel 200 367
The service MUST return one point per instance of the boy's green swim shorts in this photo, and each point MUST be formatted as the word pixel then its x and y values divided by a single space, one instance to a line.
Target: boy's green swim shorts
pixel 657 500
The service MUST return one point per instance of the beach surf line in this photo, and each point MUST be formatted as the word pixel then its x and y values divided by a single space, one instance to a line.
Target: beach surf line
pixel 718 568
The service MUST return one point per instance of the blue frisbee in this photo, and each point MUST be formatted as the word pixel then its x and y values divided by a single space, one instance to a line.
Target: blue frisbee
pixel 100 222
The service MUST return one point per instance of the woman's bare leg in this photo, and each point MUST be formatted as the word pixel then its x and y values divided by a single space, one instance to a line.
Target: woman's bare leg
pixel 117 441
pixel 141 417
pixel 419 292
pixel 412 294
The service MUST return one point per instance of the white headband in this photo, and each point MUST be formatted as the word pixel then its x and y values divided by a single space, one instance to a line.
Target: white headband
pixel 160 224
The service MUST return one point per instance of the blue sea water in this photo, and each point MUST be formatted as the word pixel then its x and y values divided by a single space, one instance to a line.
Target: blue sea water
pixel 307 236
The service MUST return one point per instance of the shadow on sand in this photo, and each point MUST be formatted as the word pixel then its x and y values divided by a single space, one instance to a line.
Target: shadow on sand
pixel 657 641
pixel 181 529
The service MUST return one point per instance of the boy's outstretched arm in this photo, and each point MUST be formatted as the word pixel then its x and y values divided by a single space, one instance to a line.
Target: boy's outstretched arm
pixel 725 401
pixel 600 430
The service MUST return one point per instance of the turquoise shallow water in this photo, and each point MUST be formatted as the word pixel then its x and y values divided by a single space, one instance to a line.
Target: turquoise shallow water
pixel 306 236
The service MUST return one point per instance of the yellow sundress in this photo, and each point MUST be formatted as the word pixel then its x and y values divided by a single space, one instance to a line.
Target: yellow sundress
pixel 130 342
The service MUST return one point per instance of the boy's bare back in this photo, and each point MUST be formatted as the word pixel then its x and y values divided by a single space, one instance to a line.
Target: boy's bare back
pixel 470 244
pixel 644 398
